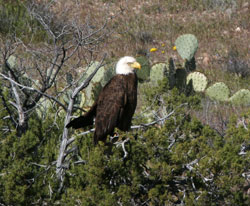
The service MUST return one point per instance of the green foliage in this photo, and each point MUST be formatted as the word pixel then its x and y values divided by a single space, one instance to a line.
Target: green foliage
pixel 178 160
pixel 25 164
pixel 14 19
pixel 186 46
pixel 11 62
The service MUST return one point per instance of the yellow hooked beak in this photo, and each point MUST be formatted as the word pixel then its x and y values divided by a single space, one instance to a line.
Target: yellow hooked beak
pixel 135 65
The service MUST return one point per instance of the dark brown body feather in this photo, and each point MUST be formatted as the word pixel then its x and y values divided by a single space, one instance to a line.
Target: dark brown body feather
pixel 114 107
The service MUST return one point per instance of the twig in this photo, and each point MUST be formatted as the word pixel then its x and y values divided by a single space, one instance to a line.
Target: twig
pixel 122 143
pixel 33 89
pixel 158 120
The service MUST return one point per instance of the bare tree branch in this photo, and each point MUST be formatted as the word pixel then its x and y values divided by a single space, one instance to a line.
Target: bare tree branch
pixel 35 90
pixel 60 170
pixel 40 68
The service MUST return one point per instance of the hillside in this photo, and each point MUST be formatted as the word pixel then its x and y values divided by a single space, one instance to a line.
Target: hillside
pixel 189 142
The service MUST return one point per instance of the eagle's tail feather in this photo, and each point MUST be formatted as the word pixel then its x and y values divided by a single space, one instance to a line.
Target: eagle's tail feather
pixel 83 121
pixel 80 122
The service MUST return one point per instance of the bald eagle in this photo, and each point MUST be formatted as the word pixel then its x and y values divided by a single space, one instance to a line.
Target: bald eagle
pixel 115 104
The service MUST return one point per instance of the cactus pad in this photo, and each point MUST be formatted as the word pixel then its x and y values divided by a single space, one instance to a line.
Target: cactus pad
pixel 143 73
pixel 242 97
pixel 12 61
pixel 78 98
pixel 43 107
pixel 157 72
pixel 89 94
pixel 218 91
pixel 103 75
pixel 186 46
pixel 99 74
pixel 199 81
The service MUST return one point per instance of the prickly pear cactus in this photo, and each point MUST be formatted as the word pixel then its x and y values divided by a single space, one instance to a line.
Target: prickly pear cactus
pixel 218 91
pixel 69 78
pixel 199 81
pixel 12 61
pixel 102 76
pixel 158 71
pixel 98 76
pixel 109 73
pixel 143 73
pixel 180 78
pixel 161 70
pixel 43 107
pixel 90 93
pixel 78 99
pixel 186 46
pixel 242 97
pixel 171 73
pixel 190 65
pixel 23 78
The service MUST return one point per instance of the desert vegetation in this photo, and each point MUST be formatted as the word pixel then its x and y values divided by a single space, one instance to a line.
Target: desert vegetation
pixel 189 143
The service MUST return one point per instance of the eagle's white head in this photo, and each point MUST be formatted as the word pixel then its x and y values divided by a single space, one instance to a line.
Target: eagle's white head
pixel 126 65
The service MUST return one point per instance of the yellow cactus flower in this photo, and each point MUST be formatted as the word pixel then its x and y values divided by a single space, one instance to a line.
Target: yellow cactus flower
pixel 153 49
pixel 162 52
pixel 162 44
pixel 174 48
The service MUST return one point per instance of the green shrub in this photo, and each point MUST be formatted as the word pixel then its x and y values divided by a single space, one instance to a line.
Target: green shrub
pixel 15 20
pixel 177 161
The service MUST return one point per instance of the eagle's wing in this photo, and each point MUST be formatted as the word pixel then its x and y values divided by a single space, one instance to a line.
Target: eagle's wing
pixel 110 108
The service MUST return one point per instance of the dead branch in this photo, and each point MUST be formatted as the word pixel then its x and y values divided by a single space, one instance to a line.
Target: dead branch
pixel 60 170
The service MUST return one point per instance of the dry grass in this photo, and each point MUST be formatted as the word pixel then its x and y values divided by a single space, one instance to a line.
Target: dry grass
pixel 139 25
